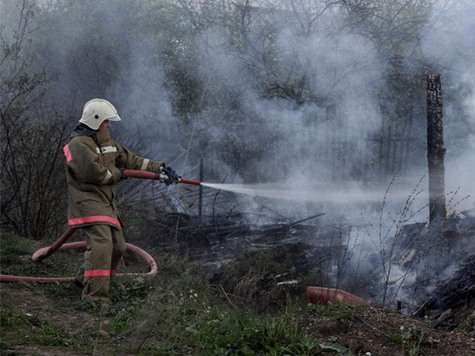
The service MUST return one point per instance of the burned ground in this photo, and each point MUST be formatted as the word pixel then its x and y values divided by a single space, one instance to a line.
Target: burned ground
pixel 385 333
pixel 433 266
pixel 245 273
pixel 359 329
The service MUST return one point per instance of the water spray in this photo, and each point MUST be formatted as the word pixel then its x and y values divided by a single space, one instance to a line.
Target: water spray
pixel 318 192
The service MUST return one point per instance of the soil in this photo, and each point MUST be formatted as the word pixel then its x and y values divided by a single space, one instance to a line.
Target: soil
pixel 362 330
pixel 374 331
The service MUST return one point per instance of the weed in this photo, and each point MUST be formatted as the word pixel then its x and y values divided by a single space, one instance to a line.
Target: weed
pixel 15 259
pixel 316 309
pixel 409 340
pixel 342 312
pixel 335 311
pixel 469 324
pixel 311 347
pixel 12 251
pixel 32 329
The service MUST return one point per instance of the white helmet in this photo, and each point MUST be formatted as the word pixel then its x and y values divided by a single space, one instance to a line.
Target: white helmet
pixel 96 111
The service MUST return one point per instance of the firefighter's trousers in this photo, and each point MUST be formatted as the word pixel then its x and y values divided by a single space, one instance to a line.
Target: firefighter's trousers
pixel 104 251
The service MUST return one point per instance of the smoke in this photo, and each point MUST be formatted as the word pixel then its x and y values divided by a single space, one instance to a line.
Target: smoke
pixel 343 66
pixel 448 41
pixel 342 69
pixel 296 142
pixel 412 273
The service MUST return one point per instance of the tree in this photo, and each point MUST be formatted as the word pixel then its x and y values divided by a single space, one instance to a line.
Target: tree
pixel 435 149
pixel 32 186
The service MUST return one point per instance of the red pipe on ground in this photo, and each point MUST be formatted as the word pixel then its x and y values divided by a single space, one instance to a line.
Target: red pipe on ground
pixel 320 295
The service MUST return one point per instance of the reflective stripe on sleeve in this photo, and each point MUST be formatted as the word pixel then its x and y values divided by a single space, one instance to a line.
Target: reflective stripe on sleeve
pixel 67 153
pixel 144 164
pixel 94 218
pixel 106 149
pixel 99 273
pixel 107 177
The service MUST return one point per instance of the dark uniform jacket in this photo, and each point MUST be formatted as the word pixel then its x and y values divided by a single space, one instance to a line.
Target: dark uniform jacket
pixel 93 160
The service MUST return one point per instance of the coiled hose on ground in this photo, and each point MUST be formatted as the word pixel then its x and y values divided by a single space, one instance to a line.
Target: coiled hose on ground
pixel 60 244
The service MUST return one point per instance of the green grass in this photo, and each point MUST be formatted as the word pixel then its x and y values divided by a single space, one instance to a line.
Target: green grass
pixel 32 330
pixel 409 340
pixel 16 253
pixel 12 249
pixel 176 313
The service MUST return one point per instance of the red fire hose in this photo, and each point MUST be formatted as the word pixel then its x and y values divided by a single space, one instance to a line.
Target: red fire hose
pixel 43 253
pixel 157 176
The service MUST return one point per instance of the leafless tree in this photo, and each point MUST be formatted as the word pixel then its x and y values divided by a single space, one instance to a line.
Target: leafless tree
pixel 32 189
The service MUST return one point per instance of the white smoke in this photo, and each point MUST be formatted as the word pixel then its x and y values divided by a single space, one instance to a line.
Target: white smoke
pixel 450 43
pixel 341 65
pixel 337 64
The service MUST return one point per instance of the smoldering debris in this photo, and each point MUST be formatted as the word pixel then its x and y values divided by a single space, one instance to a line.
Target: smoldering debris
pixel 453 299
pixel 214 241
pixel 429 270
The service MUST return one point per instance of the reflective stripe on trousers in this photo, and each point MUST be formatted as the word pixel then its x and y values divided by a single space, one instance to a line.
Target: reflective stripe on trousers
pixel 105 248
pixel 94 219
pixel 99 273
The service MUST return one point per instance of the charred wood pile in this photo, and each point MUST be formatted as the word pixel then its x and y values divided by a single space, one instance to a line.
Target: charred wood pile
pixel 432 273
pixel 256 264
pixel 439 260
pixel 215 241
pixel 453 300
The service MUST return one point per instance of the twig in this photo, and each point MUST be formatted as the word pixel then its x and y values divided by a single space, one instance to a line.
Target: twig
pixel 226 295
pixel 302 220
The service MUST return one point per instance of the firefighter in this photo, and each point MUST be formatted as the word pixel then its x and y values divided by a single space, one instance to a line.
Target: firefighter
pixel 94 164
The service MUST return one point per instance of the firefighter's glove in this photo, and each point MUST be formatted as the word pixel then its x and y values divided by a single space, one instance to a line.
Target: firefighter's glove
pixel 171 174
pixel 122 175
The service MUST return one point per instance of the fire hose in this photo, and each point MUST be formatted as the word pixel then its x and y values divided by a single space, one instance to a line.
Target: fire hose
pixel 156 176
pixel 60 244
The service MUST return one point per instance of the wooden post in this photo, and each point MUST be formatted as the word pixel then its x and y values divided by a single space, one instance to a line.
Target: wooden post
pixel 200 209
pixel 435 149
